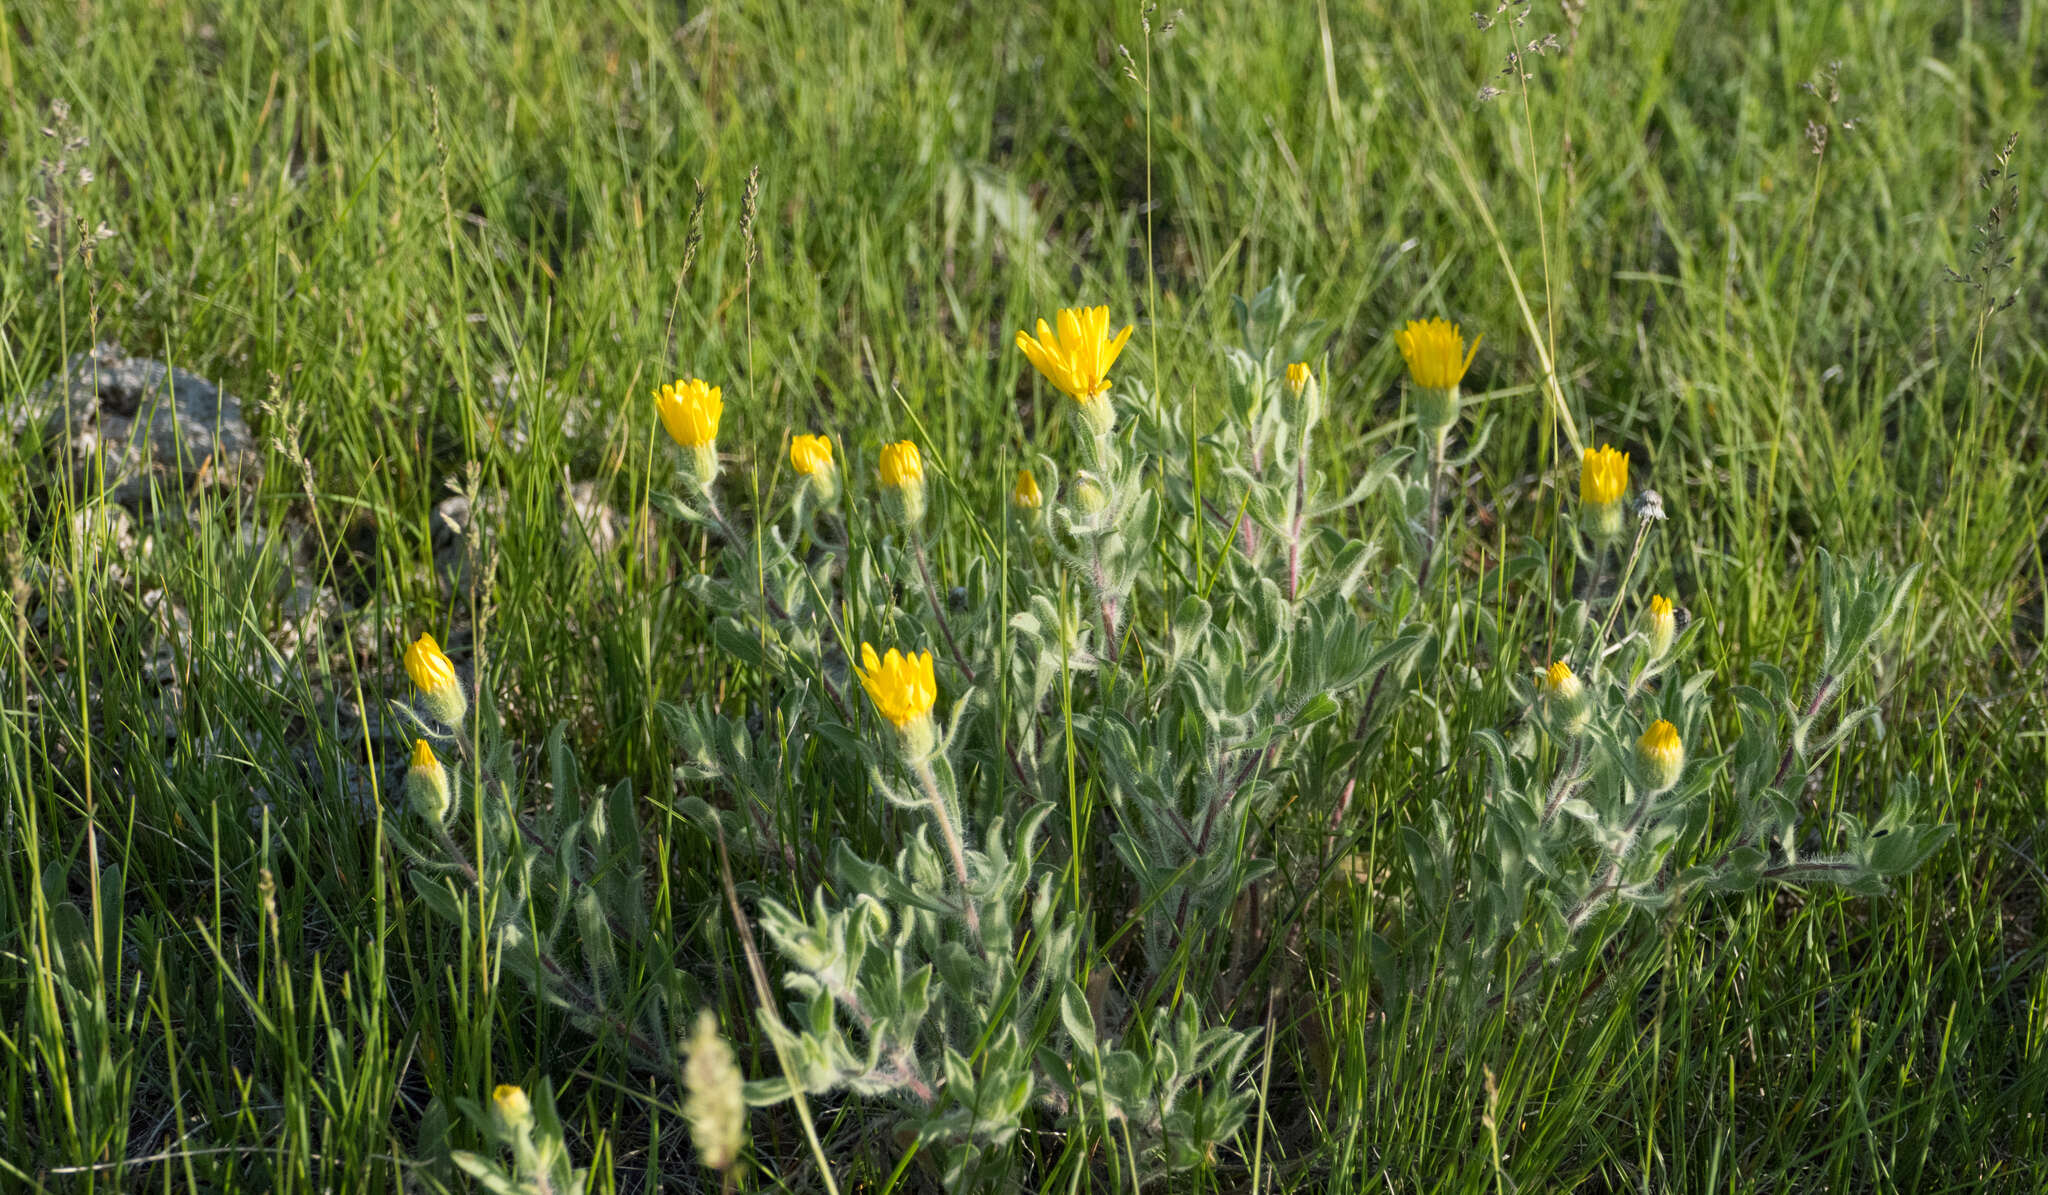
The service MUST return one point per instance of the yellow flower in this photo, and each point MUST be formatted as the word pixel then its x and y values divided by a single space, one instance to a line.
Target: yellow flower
pixel 1026 496
pixel 426 784
pixel 512 1105
pixel 1663 625
pixel 1564 697
pixel 1603 476
pixel 810 455
pixel 902 474
pixel 1661 754
pixel 902 467
pixel 434 674
pixel 690 411
pixel 1558 681
pixel 1603 479
pixel 1435 352
pixel 427 665
pixel 1297 377
pixel 902 686
pixel 1077 359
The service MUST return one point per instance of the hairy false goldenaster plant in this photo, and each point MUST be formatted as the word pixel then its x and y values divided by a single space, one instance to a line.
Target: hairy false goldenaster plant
pixel 1086 753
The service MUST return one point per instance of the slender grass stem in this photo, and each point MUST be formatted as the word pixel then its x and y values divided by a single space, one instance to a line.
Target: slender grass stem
pixel 931 591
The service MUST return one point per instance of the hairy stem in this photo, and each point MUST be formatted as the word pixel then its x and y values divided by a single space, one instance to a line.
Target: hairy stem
pixel 1433 517
pixel 1821 693
pixel 929 781
pixel 1300 515
pixel 1564 786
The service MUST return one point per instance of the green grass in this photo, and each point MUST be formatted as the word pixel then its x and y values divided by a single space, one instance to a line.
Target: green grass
pixel 411 231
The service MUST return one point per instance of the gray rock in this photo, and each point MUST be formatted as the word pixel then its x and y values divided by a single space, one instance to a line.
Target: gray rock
pixel 454 536
pixel 170 641
pixel 145 423
pixel 590 522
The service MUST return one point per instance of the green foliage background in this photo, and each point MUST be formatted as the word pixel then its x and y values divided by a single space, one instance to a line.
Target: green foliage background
pixel 436 235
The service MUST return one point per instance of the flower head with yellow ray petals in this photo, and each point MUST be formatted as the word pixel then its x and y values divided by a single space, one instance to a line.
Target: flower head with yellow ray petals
pixel 433 673
pixel 903 689
pixel 809 455
pixel 1603 476
pixel 690 411
pixel 1435 352
pixel 1076 357
pixel 1603 480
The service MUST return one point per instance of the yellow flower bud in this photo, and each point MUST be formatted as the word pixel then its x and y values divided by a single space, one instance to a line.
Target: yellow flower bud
pixel 1603 480
pixel 434 674
pixel 426 784
pixel 1660 625
pixel 1661 755
pixel 514 1109
pixel 902 466
pixel 1026 496
pixel 1559 683
pixel 1564 699
pixel 811 456
pixel 902 475
pixel 1297 377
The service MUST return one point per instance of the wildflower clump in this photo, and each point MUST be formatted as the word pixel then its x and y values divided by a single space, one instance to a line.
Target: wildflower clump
pixel 1151 673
